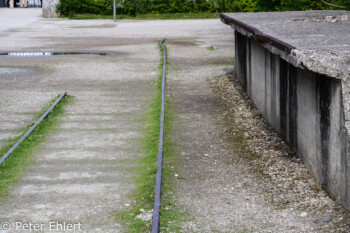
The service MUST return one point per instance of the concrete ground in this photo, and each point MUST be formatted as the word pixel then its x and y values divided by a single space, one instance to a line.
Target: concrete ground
pixel 220 194
pixel 18 17
pixel 81 174
pixel 219 189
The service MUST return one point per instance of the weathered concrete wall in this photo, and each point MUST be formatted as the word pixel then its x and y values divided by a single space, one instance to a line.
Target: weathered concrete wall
pixel 49 8
pixel 305 108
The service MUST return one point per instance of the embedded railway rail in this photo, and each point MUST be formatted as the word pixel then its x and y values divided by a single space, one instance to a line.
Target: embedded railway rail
pixel 158 188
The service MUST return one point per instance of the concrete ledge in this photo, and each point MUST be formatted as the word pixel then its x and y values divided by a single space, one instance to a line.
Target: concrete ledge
pixel 319 40
pixel 297 76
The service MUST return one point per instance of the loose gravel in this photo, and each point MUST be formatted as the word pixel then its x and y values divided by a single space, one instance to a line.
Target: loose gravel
pixel 236 174
pixel 288 183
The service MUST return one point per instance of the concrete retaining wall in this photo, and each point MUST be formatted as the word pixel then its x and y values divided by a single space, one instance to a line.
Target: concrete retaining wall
pixel 49 8
pixel 305 108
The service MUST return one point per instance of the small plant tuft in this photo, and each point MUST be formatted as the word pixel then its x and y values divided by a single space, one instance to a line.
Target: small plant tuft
pixel 211 48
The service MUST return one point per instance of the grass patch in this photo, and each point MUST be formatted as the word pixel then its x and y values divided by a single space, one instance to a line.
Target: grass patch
pixel 211 48
pixel 148 16
pixel 12 169
pixel 143 194
pixel 171 216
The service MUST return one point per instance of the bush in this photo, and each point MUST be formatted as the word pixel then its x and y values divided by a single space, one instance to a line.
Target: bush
pixel 247 6
pixel 133 7
pixel 300 5
pixel 71 7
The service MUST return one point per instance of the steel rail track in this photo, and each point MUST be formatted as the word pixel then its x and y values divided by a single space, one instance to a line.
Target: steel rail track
pixel 32 128
pixel 158 189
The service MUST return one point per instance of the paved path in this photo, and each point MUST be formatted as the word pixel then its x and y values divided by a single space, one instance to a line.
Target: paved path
pixel 216 186
pixel 82 173
pixel 13 116
pixel 18 17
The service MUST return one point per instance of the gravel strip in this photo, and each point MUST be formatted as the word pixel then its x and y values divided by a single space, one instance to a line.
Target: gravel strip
pixel 288 184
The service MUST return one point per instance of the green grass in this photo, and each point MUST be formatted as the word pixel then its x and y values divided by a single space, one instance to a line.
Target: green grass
pixel 211 48
pixel 148 16
pixel 12 169
pixel 171 216
pixel 143 194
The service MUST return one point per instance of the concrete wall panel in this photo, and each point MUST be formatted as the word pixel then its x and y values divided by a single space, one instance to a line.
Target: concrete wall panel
pixel 308 122
pixel 258 83
pixel 241 58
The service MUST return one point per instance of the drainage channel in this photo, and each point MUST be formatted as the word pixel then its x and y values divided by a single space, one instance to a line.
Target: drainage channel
pixel 42 54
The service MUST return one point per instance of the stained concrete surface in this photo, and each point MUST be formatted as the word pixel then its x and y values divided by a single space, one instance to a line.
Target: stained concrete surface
pixel 81 172
pixel 321 38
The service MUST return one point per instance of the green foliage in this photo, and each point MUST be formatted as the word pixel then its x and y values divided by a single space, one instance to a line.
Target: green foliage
pixel 211 48
pixel 247 5
pixel 268 5
pixel 343 4
pixel 71 7
pixel 289 5
pixel 201 15
pixel 134 7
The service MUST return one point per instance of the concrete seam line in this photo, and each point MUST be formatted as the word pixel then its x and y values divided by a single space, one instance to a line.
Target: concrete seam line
pixel 158 188
pixel 32 128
